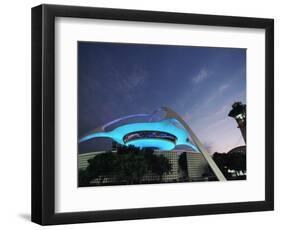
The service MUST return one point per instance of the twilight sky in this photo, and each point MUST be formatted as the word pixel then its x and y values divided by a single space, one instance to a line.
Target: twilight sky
pixel 199 83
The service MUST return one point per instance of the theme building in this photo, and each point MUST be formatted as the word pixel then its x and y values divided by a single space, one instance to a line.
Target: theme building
pixel 165 132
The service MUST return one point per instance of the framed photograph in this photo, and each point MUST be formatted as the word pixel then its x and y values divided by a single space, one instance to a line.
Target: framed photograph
pixel 141 114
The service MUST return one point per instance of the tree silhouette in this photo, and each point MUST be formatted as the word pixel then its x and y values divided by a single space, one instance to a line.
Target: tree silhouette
pixel 131 165
pixel 126 166
pixel 159 165
pixel 102 166
pixel 83 178
pixel 183 162
pixel 183 165
pixel 231 161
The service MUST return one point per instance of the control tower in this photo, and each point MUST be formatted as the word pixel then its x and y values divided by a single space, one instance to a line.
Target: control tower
pixel 238 112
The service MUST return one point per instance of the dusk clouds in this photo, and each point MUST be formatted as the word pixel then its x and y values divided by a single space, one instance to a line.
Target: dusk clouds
pixel 201 76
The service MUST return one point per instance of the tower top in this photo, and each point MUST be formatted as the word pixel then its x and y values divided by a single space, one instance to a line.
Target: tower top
pixel 237 109
pixel 238 112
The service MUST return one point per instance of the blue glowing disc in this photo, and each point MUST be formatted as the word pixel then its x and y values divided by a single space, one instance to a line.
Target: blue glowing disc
pixel 164 134
pixel 152 143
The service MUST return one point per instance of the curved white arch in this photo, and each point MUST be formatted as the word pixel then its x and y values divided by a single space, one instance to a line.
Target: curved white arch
pixel 172 114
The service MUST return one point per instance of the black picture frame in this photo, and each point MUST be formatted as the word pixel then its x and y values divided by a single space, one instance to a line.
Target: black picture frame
pixel 43 110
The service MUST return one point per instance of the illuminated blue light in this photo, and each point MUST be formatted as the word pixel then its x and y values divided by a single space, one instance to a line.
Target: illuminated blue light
pixel 152 142
pixel 166 125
